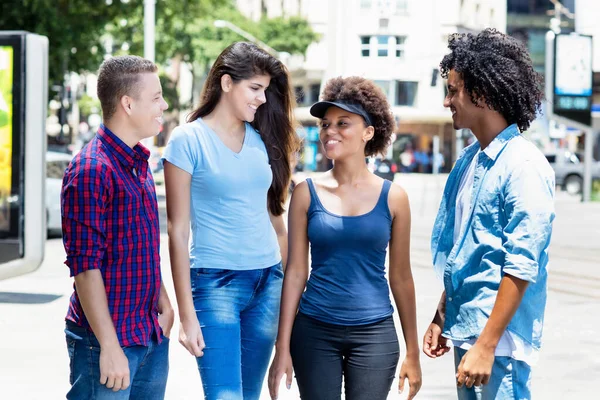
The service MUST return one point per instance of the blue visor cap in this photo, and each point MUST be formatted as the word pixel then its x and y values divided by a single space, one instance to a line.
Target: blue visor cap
pixel 319 109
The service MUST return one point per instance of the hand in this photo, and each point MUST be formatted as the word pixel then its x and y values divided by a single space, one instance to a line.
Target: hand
pixel 411 370
pixel 166 318
pixel 114 368
pixel 282 364
pixel 190 336
pixel 475 368
pixel 434 344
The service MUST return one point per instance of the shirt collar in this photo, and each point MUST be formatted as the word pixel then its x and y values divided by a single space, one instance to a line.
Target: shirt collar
pixel 125 154
pixel 496 146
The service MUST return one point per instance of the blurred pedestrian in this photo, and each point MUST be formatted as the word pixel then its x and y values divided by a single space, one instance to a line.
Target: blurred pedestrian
pixel 227 173
pixel 492 232
pixel 119 316
pixel 342 324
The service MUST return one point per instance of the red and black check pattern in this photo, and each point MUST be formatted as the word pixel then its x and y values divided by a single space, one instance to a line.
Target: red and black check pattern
pixel 110 223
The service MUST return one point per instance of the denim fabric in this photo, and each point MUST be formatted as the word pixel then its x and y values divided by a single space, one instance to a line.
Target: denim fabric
pixel 366 355
pixel 508 232
pixel 148 368
pixel 238 313
pixel 510 380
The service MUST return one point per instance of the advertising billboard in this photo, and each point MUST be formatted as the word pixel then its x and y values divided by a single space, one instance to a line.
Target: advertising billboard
pixel 6 134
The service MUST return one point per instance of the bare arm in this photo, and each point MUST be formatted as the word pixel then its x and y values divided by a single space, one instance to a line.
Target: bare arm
pixel 282 237
pixel 165 311
pixel 403 288
pixel 294 282
pixel 178 187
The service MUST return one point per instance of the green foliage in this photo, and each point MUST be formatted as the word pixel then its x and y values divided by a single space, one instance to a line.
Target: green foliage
pixel 88 105
pixel 595 190
pixel 73 27
pixel 292 35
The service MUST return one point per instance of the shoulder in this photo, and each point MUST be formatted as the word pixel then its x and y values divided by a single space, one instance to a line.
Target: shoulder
pixel 398 201
pixel 300 196
pixel 187 132
pixel 525 155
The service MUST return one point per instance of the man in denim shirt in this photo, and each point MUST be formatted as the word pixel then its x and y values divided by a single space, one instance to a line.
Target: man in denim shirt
pixel 492 232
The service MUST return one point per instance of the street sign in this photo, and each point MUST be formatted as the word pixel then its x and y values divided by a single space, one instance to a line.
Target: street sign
pixel 573 77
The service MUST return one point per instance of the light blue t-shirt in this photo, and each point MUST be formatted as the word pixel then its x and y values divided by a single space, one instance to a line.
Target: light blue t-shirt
pixel 231 228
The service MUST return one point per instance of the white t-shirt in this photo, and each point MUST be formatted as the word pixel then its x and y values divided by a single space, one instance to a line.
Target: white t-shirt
pixel 510 344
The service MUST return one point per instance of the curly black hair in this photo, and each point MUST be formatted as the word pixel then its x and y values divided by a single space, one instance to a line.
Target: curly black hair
pixel 366 93
pixel 497 69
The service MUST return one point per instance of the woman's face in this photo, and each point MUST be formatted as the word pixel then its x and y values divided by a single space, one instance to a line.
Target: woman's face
pixel 343 134
pixel 246 96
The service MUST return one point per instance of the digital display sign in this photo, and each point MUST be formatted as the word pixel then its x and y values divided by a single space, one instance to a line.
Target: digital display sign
pixel 573 77
pixel 6 135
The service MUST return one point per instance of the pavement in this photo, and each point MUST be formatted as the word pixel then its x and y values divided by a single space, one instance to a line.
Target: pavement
pixel 34 362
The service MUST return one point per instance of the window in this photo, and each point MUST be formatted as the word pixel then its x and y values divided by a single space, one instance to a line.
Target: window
pixel 385 87
pixel 299 92
pixel 400 46
pixel 382 46
pixel 401 7
pixel 365 44
pixel 365 4
pixel 314 92
pixel 406 92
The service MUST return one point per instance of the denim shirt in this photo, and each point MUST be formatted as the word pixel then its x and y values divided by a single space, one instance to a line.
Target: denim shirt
pixel 508 231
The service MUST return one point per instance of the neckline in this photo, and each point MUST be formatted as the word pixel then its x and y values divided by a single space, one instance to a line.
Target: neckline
pixel 218 138
pixel 316 195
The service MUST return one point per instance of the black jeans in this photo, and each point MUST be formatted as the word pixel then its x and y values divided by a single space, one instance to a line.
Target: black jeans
pixel 366 356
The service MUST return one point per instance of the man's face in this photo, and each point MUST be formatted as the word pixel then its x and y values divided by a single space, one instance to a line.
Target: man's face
pixel 464 112
pixel 148 106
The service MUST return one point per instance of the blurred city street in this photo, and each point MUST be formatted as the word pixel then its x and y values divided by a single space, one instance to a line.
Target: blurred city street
pixel 34 362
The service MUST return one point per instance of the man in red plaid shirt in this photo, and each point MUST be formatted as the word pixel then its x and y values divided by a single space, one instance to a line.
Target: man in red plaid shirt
pixel 120 316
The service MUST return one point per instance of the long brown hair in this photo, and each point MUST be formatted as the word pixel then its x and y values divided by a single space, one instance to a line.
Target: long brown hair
pixel 274 120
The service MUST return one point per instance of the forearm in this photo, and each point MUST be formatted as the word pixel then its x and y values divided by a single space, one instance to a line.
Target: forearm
pixel 180 268
pixel 283 247
pixel 403 290
pixel 440 312
pixel 509 298
pixel 294 283
pixel 164 303
pixel 92 295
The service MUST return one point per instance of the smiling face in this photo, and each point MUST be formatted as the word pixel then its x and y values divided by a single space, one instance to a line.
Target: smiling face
pixel 146 107
pixel 245 96
pixel 344 134
pixel 465 114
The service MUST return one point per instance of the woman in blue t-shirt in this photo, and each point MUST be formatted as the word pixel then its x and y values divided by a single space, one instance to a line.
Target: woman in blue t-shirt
pixel 226 174
pixel 342 324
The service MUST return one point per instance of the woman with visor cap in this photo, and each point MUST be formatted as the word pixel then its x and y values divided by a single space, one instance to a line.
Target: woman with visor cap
pixel 339 322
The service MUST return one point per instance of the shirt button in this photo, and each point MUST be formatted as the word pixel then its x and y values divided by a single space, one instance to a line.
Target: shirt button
pixel 449 298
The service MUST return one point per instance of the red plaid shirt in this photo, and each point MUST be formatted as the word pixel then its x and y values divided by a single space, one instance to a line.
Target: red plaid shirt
pixel 110 223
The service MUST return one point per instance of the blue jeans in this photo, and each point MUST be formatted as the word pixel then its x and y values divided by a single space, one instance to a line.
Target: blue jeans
pixel 238 312
pixel 511 379
pixel 148 368
pixel 366 356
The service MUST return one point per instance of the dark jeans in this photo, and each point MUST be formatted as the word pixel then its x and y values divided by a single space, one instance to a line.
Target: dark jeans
pixel 366 356
pixel 148 368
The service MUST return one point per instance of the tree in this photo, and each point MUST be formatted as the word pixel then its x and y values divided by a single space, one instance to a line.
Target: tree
pixel 73 27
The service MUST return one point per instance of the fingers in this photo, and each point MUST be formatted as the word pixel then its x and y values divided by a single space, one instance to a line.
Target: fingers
pixel 274 380
pixel 428 344
pixel 401 384
pixel 414 389
pixel 288 380
pixel 485 380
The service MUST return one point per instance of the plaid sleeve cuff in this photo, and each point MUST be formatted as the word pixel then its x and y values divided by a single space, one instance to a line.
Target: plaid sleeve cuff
pixel 79 264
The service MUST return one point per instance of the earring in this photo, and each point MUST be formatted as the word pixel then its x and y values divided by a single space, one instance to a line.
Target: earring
pixel 364 140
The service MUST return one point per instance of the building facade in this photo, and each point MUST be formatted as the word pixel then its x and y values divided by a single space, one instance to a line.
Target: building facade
pixel 396 43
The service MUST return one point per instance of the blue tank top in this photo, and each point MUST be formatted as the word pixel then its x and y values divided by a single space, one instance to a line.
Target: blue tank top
pixel 347 284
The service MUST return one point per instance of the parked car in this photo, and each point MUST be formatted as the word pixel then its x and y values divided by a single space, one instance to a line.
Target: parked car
pixel 569 168
pixel 56 164
pixel 384 168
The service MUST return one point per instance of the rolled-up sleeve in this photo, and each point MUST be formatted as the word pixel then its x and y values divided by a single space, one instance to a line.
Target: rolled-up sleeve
pixel 529 212
pixel 85 200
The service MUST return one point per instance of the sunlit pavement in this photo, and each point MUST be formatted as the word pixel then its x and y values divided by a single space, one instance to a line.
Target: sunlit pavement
pixel 34 361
